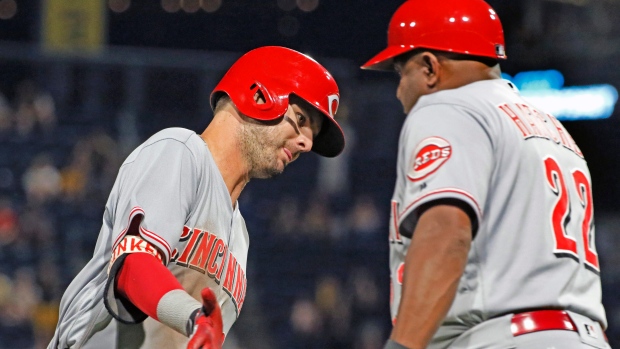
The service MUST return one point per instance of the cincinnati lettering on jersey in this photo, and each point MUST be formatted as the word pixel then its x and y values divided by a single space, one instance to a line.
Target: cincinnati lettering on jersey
pixel 208 254
pixel 531 123
pixel 428 156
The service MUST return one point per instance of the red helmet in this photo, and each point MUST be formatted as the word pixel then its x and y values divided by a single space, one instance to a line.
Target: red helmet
pixel 462 26
pixel 279 72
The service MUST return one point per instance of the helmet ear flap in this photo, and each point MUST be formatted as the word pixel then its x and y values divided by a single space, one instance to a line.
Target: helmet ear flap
pixel 264 101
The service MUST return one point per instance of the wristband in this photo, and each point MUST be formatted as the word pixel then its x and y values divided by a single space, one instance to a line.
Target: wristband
pixel 393 345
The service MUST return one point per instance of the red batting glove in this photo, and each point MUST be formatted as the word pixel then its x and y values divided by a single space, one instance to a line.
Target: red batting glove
pixel 207 332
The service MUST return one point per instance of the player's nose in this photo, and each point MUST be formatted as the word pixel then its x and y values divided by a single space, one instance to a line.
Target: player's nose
pixel 304 142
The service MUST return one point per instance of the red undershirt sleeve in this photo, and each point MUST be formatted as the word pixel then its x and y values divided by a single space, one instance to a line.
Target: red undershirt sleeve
pixel 144 280
pixel 139 285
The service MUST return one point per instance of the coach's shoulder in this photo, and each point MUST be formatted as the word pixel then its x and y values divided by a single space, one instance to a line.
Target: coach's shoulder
pixel 473 97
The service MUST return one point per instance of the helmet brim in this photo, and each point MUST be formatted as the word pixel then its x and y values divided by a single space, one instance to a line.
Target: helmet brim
pixel 384 60
pixel 330 140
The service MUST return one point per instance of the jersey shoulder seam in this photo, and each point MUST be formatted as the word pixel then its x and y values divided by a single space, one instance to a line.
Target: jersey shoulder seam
pixel 166 139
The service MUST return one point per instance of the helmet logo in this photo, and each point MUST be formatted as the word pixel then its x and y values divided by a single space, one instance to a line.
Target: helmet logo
pixel 500 51
pixel 332 102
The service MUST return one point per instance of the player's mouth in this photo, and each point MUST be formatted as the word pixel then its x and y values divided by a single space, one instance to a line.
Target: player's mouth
pixel 289 155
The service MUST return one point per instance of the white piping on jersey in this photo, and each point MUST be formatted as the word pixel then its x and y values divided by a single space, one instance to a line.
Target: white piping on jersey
pixel 147 233
pixel 159 239
pixel 132 214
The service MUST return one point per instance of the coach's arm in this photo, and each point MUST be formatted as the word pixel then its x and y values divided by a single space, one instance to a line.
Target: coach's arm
pixel 435 261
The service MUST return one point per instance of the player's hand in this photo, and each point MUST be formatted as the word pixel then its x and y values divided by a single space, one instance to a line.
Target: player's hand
pixel 207 332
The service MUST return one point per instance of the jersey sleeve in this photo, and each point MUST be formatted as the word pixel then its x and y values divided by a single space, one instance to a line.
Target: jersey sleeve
pixel 447 156
pixel 158 185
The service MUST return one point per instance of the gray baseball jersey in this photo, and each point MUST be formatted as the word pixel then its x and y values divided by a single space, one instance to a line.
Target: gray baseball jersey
pixel 170 185
pixel 529 191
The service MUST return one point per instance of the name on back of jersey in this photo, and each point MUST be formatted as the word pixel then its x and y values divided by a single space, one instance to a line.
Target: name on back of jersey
pixel 532 123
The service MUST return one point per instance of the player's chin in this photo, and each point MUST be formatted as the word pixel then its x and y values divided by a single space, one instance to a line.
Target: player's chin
pixel 272 173
pixel 278 169
pixel 269 171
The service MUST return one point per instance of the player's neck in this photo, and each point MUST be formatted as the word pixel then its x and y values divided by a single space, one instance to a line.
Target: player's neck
pixel 220 137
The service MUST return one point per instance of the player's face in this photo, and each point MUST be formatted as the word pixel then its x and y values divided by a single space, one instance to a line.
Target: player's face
pixel 412 83
pixel 268 148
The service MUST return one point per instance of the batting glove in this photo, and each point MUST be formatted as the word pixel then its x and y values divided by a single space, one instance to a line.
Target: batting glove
pixel 207 332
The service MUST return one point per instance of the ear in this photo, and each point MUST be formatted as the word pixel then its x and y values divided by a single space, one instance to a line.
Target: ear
pixel 432 68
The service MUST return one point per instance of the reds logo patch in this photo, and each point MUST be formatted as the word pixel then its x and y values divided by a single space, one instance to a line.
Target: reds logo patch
pixel 429 155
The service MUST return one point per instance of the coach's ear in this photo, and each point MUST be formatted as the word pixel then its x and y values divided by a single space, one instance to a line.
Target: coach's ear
pixel 432 68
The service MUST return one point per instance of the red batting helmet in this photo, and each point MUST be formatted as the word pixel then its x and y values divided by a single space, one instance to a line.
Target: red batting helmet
pixel 278 72
pixel 461 26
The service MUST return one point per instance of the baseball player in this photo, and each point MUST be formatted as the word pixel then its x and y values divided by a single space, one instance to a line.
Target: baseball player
pixel 169 266
pixel 492 232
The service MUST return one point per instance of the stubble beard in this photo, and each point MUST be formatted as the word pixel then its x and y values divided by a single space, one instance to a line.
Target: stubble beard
pixel 259 147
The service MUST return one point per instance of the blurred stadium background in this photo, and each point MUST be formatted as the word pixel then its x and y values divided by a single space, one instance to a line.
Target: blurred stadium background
pixel 83 82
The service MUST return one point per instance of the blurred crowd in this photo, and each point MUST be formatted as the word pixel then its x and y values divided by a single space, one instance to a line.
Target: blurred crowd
pixel 321 272
pixel 55 175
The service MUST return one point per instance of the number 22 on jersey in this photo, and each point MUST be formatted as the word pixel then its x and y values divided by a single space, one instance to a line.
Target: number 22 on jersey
pixel 565 245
